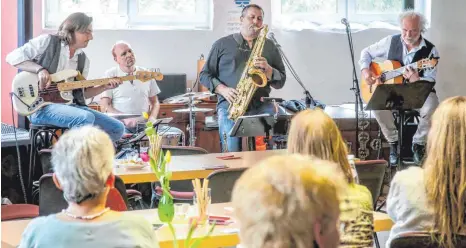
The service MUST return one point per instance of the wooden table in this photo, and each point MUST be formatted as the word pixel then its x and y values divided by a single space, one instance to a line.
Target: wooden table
pixel 192 166
pixel 223 236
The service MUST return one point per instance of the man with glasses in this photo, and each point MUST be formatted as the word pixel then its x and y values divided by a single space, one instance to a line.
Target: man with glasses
pixel 226 62
pixel 131 97
pixel 49 54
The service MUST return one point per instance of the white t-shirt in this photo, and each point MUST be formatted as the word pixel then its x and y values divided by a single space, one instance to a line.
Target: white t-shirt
pixel 131 98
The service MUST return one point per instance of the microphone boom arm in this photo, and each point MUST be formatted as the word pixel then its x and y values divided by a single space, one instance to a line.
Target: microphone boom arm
pixel 308 97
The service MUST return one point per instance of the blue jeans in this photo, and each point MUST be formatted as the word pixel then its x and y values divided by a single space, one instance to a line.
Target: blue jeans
pixel 69 116
pixel 225 125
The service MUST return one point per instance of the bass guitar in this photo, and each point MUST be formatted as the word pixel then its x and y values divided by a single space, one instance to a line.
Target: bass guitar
pixel 27 98
pixel 391 72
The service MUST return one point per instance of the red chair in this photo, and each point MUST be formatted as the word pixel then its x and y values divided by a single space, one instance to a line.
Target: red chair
pixel 19 211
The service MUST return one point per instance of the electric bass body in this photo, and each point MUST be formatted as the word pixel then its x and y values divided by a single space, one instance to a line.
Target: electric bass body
pixel 27 98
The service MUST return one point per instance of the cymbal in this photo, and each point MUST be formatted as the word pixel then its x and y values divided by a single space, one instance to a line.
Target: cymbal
pixel 123 116
pixel 184 98
pixel 195 109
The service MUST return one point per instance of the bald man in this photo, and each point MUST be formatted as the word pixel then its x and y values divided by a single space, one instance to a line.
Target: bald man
pixel 132 97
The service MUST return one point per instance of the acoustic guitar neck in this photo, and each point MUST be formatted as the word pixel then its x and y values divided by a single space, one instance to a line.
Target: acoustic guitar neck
pixel 397 72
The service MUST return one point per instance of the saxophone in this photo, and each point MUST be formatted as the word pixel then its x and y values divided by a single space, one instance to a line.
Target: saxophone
pixel 250 80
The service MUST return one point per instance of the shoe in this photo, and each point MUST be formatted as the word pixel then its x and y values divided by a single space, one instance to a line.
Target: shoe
pixel 418 153
pixel 393 153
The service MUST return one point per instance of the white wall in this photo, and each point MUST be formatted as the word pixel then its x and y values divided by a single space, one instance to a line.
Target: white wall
pixel 322 60
pixel 449 35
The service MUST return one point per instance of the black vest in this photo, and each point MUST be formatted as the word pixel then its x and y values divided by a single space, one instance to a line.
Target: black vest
pixel 49 60
pixel 396 51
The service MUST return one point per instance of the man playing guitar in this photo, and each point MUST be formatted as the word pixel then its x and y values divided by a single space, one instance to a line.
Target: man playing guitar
pixel 48 54
pixel 407 47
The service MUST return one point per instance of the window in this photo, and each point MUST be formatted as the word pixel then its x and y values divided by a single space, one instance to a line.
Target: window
pixel 133 14
pixel 287 13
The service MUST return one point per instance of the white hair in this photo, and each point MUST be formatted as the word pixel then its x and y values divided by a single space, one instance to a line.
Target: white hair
pixel 118 43
pixel 82 160
pixel 412 14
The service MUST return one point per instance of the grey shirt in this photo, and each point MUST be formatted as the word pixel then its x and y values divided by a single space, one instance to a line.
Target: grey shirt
pixel 128 231
pixel 226 62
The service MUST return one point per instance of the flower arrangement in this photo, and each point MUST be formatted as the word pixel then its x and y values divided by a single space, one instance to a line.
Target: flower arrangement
pixel 159 163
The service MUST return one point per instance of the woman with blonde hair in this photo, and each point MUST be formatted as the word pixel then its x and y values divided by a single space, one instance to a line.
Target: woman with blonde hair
pixel 314 133
pixel 289 201
pixel 433 199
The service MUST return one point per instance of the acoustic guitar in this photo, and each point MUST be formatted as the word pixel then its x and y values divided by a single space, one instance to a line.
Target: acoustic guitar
pixel 391 72
pixel 27 98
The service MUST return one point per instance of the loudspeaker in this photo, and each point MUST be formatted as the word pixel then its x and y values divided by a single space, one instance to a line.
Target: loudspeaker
pixel 11 183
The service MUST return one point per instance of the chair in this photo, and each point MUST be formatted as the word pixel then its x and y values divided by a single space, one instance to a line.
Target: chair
pixel 182 190
pixel 221 183
pixel 41 137
pixel 422 239
pixel 133 196
pixel 51 198
pixel 371 174
pixel 19 211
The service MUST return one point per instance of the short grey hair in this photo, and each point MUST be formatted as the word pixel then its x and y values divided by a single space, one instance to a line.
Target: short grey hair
pixel 76 22
pixel 82 160
pixel 118 43
pixel 412 14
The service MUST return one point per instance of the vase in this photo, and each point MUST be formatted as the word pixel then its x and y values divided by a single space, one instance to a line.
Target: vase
pixel 166 208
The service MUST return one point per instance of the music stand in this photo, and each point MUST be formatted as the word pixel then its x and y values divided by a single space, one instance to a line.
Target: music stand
pixel 260 125
pixel 400 97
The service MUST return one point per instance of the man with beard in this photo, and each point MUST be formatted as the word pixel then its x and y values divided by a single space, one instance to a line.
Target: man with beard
pixel 131 97
pixel 225 64
pixel 406 48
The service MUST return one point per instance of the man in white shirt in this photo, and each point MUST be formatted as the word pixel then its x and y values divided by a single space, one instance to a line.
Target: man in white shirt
pixel 131 97
pixel 406 48
pixel 48 54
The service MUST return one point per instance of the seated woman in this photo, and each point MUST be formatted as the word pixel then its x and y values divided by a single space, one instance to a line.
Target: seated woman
pixel 83 161
pixel 314 133
pixel 289 201
pixel 434 198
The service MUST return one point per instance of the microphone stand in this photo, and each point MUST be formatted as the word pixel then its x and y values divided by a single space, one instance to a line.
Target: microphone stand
pixel 308 97
pixel 358 101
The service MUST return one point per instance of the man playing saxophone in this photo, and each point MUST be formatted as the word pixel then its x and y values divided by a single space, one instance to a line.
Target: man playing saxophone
pixel 226 62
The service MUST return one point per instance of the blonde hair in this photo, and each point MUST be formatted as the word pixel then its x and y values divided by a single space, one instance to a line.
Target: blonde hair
pixel 278 201
pixel 313 132
pixel 445 168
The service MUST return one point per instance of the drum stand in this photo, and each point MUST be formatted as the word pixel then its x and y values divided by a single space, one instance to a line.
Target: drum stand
pixel 192 122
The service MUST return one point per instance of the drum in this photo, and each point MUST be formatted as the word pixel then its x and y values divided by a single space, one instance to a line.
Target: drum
pixel 171 136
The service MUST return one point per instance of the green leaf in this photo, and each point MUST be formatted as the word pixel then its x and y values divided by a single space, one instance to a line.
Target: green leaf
pixel 199 241
pixel 172 230
pixel 149 131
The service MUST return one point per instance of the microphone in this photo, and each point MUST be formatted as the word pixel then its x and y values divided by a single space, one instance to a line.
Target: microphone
pixel 271 36
pixel 344 21
pixel 271 99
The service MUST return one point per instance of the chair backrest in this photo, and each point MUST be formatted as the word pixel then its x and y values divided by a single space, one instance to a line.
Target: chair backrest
pixel 45 156
pixel 221 183
pixel 422 239
pixel 19 211
pixel 184 150
pixel 51 198
pixel 371 174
